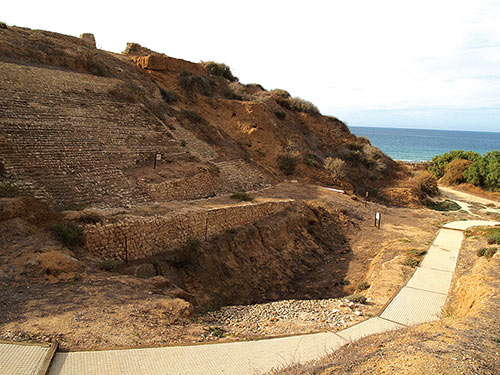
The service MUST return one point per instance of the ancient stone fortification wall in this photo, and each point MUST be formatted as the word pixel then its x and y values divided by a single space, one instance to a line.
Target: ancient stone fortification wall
pixel 202 185
pixel 139 237
pixel 67 139
pixel 162 62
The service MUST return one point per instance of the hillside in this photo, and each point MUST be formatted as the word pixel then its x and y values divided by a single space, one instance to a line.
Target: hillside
pixel 118 175
pixel 81 127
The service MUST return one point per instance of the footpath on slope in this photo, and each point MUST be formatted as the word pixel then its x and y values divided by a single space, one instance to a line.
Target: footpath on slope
pixel 420 301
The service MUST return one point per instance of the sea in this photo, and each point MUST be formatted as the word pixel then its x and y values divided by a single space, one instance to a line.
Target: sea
pixel 417 145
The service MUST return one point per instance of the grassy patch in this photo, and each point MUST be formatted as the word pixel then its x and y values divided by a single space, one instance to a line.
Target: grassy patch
pixel 3 25
pixel 69 234
pixel 280 114
pixel 493 236
pixel 414 257
pixel 363 285
pixel 244 197
pixel 287 163
pixel 170 96
pixel 192 116
pixel 8 190
pixel 219 70
pixel 216 331
pixel 184 257
pixel 411 262
pixel 106 265
pixel 487 252
pixel 311 160
pixel 357 298
pixel 446 205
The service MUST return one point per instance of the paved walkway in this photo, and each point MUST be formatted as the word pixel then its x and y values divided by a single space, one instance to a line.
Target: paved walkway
pixel 420 301
pixel 462 197
pixel 25 359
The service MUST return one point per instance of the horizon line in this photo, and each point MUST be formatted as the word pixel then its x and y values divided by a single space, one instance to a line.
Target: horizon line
pixel 451 130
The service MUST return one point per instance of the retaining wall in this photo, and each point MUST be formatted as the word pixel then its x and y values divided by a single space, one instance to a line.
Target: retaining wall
pixel 140 237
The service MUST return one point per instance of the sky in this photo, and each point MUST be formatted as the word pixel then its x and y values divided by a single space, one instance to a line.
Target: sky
pixel 393 63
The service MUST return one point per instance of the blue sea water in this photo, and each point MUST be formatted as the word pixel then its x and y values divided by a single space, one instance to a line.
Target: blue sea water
pixel 424 144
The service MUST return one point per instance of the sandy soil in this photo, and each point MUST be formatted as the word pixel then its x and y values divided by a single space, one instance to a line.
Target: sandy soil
pixel 85 307
pixel 465 341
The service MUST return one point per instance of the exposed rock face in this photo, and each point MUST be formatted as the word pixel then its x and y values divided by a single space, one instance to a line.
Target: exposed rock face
pixel 163 63
pixel 89 38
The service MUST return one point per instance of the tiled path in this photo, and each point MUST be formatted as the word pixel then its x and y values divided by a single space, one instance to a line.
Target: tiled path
pixel 420 301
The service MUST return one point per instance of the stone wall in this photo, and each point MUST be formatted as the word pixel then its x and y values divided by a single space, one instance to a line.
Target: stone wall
pixel 65 138
pixel 162 62
pixel 140 237
pixel 202 185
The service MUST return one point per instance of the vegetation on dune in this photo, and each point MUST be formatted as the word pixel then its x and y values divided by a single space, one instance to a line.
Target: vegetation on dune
pixel 467 166
pixel 283 98
pixel 3 25
pixel 219 70
pixel 446 205
pixel 170 96
pixel 287 162
pixel 192 115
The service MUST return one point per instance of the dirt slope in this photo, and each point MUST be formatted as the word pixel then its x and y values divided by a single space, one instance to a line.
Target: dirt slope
pixel 93 120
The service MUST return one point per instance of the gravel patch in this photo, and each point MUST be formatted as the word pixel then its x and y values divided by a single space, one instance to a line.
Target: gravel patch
pixel 286 317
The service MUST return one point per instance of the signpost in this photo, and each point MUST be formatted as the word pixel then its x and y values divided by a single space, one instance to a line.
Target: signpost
pixel 157 158
pixel 378 217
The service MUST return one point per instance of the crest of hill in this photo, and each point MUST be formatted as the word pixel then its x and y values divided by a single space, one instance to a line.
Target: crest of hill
pixel 81 126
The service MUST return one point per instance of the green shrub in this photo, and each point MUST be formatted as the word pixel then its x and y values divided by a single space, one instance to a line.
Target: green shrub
pixel 344 282
pixel 287 163
pixel 417 252
pixel 357 298
pixel 438 162
pixel 494 239
pixel 363 285
pixel 8 190
pixel 487 252
pixel 185 256
pixel 311 160
pixel 192 115
pixel 183 143
pixel 106 265
pixel 446 205
pixel 170 96
pixel 336 167
pixel 280 114
pixel 219 70
pixel 90 218
pixel 3 25
pixel 411 262
pixel 69 234
pixel 244 197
